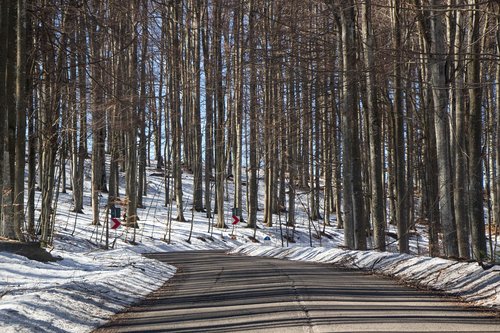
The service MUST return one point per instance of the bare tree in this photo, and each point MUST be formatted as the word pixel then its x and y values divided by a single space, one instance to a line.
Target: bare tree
pixel 377 206
pixel 475 139
pixel 398 137
pixel 253 114
pixel 434 34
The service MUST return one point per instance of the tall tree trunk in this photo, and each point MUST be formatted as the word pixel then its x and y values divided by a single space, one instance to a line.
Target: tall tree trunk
pixel 399 139
pixel 268 118
pixel 80 151
pixel 238 114
pixel 253 166
pixel 131 117
pixel 4 46
pixel 49 120
pixel 497 107
pixel 20 149
pixel 32 140
pixel 430 195
pixel 377 206
pixel 176 115
pixel 8 228
pixel 292 137
pixel 220 156
pixel 141 179
pixel 98 119
pixel 355 225
pixel 208 69
pixel 475 142
pixel 437 68
pixel 196 118
pixel 460 185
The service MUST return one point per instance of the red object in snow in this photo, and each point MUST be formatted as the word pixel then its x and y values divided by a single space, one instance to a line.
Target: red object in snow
pixel 116 223
pixel 235 219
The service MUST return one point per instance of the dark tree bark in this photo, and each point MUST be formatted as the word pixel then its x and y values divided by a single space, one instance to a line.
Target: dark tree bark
pixel 355 225
pixel 377 206
pixel 475 140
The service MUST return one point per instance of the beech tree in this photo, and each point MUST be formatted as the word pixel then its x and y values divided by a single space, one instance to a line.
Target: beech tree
pixel 374 129
pixel 475 138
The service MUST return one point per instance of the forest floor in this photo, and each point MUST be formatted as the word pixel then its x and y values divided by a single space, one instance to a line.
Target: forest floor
pixel 87 284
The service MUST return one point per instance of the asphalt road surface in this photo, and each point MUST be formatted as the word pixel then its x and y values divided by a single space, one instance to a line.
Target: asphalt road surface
pixel 215 292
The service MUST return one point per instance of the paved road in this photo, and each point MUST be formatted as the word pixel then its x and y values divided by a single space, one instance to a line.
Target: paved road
pixel 214 292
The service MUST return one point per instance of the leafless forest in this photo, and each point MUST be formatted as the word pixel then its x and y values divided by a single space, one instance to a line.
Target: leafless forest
pixel 384 111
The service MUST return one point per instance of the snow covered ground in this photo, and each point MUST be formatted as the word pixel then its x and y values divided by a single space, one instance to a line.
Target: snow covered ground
pixel 82 290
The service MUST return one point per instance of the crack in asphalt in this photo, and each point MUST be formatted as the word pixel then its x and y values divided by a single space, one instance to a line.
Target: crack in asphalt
pixel 298 298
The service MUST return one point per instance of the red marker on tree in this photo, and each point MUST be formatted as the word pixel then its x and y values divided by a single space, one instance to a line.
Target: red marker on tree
pixel 116 223
pixel 235 216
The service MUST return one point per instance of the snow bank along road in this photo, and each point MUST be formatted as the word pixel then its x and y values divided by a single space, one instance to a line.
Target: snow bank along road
pixel 216 292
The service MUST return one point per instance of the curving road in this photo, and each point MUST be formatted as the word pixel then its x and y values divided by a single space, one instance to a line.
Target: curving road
pixel 215 292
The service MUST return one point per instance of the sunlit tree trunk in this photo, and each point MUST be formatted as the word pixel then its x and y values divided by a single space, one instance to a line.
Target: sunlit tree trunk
pixel 220 145
pixel 142 154
pixel 98 118
pixel 253 110
pixel 80 135
pixel 196 114
pixel 238 114
pixel 460 184
pixel 131 117
pixel 433 30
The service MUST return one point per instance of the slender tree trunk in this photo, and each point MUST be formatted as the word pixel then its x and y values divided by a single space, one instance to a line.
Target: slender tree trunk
pixel 132 118
pixel 460 185
pixel 4 46
pixel 80 151
pixel 49 116
pixel 497 107
pixel 253 166
pixel 98 119
pixel 209 109
pixel 377 206
pixel 268 118
pixel 196 125
pixel 238 114
pixel 399 140
pixel 31 140
pixel 346 144
pixel 141 180
pixel 21 119
pixel 475 141
pixel 220 158
pixel 355 226
pixel 292 139
pixel 176 117
pixel 336 145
